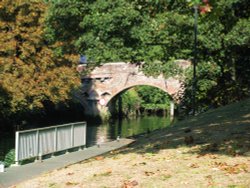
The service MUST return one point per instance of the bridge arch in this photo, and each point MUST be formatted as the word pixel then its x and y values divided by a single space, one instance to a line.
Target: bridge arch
pixel 108 80
pixel 123 89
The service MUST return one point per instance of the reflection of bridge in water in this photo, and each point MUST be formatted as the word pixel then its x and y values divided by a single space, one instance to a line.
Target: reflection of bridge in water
pixel 107 81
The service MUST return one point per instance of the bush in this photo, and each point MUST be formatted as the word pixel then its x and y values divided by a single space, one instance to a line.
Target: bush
pixel 9 158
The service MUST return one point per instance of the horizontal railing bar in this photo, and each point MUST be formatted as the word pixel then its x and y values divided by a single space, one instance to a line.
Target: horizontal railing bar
pixel 51 153
pixel 52 127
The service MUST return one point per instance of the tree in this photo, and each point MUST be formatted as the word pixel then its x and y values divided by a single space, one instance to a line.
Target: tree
pixel 153 98
pixel 131 102
pixel 158 32
pixel 30 73
pixel 121 30
pixel 224 40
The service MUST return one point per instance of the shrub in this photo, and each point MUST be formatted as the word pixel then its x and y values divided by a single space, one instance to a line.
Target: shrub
pixel 9 158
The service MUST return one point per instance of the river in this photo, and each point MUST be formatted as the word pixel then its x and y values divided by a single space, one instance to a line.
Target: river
pixel 125 128
pixel 107 131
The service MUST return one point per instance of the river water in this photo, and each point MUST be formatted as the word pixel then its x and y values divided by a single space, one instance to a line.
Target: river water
pixel 125 128
pixel 106 131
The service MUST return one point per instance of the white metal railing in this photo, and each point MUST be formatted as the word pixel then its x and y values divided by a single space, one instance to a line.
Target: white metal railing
pixel 48 140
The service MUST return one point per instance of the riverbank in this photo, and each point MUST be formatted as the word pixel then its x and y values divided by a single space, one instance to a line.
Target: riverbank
pixel 209 150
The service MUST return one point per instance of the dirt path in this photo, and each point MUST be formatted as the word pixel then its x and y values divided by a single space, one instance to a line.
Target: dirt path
pixel 210 150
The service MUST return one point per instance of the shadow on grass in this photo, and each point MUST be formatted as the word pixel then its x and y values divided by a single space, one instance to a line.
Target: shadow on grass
pixel 224 131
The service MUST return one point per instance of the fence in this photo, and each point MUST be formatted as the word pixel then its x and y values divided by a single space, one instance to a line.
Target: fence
pixel 39 142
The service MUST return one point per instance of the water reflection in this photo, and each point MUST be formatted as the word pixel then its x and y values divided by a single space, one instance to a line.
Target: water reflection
pixel 124 128
pixel 103 132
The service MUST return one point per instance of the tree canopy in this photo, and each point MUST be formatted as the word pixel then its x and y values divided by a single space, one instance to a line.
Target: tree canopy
pixel 30 72
pixel 158 32
pixel 39 41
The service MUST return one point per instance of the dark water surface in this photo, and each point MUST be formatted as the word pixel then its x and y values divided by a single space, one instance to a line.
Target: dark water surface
pixel 125 128
pixel 98 131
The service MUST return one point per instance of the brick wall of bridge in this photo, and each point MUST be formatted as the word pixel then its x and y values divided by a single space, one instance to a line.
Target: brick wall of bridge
pixel 108 80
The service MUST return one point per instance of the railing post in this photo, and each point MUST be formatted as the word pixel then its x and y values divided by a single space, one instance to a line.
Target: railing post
pixel 55 141
pixel 85 133
pixel 72 135
pixel 17 149
pixel 37 145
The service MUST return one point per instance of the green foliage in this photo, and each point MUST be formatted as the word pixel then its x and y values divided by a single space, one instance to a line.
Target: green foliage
pixel 171 69
pixel 223 39
pixel 9 158
pixel 144 97
pixel 100 27
pixel 207 74
pixel 153 68
pixel 36 61
pixel 240 34
pixel 206 78
pixel 154 106
pixel 130 102
pixel 151 95
pixel 122 30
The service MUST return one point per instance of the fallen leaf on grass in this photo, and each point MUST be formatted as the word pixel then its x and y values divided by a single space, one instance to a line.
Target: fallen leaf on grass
pixel 130 184
pixel 194 165
pixel 143 163
pixel 208 177
pixel 99 158
pixel 166 176
pixel 147 173
pixel 211 156
pixel 232 169
pixel 71 183
pixel 106 173
pixel 136 164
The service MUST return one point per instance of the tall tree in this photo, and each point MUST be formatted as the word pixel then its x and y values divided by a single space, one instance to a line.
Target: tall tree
pixel 30 73
pixel 225 40
pixel 158 32
pixel 122 30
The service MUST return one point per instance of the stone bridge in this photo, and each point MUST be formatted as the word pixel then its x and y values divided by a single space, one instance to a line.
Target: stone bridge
pixel 106 82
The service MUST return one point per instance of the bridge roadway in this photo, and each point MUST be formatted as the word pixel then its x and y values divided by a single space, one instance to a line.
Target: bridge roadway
pixel 15 175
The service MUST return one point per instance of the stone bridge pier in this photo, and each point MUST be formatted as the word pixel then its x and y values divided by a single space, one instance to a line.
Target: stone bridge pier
pixel 106 82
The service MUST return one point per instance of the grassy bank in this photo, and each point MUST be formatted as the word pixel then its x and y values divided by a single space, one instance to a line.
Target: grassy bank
pixel 209 150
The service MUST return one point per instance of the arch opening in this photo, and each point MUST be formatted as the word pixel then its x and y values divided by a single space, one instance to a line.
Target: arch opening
pixel 140 100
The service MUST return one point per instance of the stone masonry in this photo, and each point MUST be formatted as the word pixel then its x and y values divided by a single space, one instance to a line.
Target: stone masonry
pixel 107 81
